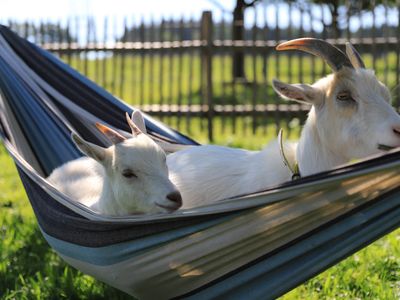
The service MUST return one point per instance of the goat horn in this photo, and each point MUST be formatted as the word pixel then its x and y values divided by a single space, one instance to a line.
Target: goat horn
pixel 134 128
pixel 335 58
pixel 354 56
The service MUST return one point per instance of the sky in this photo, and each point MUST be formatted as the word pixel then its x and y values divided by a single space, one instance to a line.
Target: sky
pixel 138 10
pixel 58 9
pixel 34 10
pixel 116 10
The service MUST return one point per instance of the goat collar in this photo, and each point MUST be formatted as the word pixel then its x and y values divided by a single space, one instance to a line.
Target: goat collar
pixel 293 169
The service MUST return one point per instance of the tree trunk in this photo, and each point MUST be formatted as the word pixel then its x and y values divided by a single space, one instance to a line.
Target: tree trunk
pixel 335 19
pixel 238 35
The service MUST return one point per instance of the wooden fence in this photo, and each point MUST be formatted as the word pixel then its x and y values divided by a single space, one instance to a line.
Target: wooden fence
pixel 182 71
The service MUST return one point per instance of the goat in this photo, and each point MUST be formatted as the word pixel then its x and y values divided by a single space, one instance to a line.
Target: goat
pixel 350 118
pixel 128 177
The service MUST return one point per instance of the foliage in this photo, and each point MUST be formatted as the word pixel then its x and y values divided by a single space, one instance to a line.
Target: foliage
pixel 45 32
pixel 341 9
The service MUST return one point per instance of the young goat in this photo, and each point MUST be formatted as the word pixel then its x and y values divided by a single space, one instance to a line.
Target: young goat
pixel 350 117
pixel 129 177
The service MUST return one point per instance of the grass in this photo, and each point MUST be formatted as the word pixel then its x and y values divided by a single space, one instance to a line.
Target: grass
pixel 144 79
pixel 30 269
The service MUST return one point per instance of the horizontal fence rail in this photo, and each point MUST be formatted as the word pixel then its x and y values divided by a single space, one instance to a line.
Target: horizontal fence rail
pixel 195 75
pixel 245 109
pixel 363 44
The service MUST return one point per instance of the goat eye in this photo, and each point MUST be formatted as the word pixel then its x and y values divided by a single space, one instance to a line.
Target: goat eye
pixel 128 174
pixel 344 96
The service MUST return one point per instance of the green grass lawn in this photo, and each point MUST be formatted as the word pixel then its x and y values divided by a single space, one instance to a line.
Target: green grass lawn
pixel 144 79
pixel 30 269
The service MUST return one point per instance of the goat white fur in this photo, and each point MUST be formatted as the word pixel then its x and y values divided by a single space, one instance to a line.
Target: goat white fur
pixel 349 118
pixel 129 177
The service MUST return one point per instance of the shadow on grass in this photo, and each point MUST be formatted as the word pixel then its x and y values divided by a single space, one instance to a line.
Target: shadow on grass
pixel 30 269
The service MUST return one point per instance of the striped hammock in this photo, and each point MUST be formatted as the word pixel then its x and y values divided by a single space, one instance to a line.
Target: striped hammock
pixel 256 246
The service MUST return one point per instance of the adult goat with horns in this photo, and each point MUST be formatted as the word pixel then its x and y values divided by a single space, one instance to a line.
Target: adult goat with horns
pixel 350 117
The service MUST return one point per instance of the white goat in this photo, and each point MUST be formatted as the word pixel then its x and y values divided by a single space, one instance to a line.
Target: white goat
pixel 129 177
pixel 350 118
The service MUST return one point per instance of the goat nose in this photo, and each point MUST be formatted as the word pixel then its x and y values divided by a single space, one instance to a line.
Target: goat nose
pixel 396 130
pixel 176 197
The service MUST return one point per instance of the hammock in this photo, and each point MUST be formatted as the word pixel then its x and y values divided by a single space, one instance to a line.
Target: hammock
pixel 255 246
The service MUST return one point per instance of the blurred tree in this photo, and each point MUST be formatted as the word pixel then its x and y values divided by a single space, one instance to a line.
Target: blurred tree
pixel 334 10
pixel 43 32
pixel 352 7
pixel 238 35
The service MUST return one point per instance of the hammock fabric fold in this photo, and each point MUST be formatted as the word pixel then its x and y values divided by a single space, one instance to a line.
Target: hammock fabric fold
pixel 256 246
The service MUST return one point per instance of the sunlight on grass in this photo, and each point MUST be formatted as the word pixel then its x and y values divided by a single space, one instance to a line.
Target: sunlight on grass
pixel 372 273
pixel 242 137
pixel 30 269
pixel 143 79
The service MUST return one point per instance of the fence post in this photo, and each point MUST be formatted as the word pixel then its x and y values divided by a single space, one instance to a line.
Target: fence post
pixel 206 67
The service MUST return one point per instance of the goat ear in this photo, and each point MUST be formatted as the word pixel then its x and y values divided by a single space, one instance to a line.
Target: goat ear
pixel 303 93
pixel 354 56
pixel 137 118
pixel 96 152
pixel 111 134
pixel 134 129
